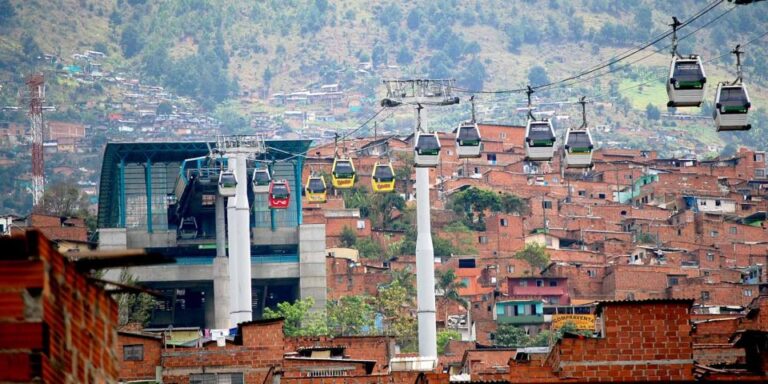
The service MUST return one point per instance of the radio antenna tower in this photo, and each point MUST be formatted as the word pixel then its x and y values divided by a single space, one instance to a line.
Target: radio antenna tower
pixel 36 84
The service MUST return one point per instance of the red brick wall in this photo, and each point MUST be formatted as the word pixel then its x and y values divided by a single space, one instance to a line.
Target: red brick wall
pixel 139 370
pixel 51 304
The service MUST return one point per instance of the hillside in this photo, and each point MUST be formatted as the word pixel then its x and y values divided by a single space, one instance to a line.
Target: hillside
pixel 220 50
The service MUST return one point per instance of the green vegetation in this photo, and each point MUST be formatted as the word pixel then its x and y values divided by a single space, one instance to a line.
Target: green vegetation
pixel 443 337
pixel 535 255
pixel 350 315
pixel 133 308
pixel 473 203
pixel 508 335
pixel 299 321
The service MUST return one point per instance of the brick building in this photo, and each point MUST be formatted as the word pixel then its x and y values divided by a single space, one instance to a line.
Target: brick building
pixel 56 324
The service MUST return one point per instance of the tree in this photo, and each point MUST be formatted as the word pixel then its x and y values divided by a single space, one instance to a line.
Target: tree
pixel 133 307
pixel 368 248
pixel 64 199
pixel 7 12
pixel 378 55
pixel 348 237
pixel 448 285
pixel 298 320
pixel 537 76
pixel 404 56
pixel 535 255
pixel 652 112
pixel 508 335
pixel 383 204
pixel 406 279
pixel 350 315
pixel 443 247
pixel 396 305
pixel 472 204
pixel 474 75
pixel 164 108
pixel 130 41
pixel 414 18
pixel 443 337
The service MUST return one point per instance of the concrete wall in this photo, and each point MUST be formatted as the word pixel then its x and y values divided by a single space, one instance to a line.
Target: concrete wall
pixel 112 238
pixel 157 239
pixel 263 236
pixel 312 281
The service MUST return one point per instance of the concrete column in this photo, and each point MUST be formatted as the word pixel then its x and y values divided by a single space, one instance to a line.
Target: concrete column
pixel 240 306
pixel 221 293
pixel 221 229
pixel 312 278
pixel 425 269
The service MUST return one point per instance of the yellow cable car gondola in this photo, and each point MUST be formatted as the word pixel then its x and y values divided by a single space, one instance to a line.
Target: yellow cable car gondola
pixel 315 190
pixel 343 173
pixel 383 177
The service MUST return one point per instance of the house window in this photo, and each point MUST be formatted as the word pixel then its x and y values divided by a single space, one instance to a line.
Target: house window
pixel 748 292
pixel 491 157
pixel 133 352
pixel 482 240
pixel 713 233
pixel 673 280
pixel 361 224
pixel 706 273
pixel 758 157
pixel 503 222
pixel 510 269
pixel 503 135
pixel 523 283
pixel 717 203
pixel 710 256
pixel 477 170
pixel 705 295
pixel 760 173
pixel 553 283
pixel 601 195
pixel 546 204
pixel 216 378
pixel 539 283
pixel 732 230
pixel 582 193
pixel 590 273
pixel 679 232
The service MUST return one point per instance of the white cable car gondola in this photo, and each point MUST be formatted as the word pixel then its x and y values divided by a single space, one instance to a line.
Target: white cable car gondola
pixel 732 102
pixel 427 150
pixel 227 183
pixel 685 86
pixel 468 141
pixel 731 110
pixel 578 148
pixel 260 181
pixel 539 140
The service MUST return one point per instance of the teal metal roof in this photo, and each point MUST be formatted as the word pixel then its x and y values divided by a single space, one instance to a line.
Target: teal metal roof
pixel 163 152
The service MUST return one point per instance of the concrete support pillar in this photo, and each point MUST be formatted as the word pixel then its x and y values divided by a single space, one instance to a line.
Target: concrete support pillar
pixel 312 278
pixel 221 229
pixel 238 222
pixel 425 269
pixel 221 293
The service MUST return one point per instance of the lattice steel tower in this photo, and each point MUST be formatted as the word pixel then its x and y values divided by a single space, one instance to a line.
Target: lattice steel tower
pixel 36 84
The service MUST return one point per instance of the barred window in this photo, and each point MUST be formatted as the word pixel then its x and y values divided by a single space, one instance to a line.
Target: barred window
pixel 133 352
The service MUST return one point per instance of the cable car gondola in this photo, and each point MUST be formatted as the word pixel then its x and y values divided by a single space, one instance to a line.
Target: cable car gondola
pixel 383 178
pixel 343 173
pixel 227 183
pixel 427 150
pixel 731 110
pixel 261 180
pixel 279 194
pixel 578 148
pixel 468 141
pixel 732 102
pixel 685 86
pixel 316 190
pixel 539 140
pixel 188 228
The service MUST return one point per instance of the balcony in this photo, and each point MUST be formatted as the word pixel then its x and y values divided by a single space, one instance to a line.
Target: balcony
pixel 520 320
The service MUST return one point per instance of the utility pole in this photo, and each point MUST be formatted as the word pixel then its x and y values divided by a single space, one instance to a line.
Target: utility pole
pixel 421 93
pixel 36 84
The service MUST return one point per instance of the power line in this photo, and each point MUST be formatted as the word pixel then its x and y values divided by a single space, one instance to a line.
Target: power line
pixel 616 60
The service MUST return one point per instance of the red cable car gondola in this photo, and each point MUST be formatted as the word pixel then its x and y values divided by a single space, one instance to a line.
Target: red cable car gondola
pixel 279 194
